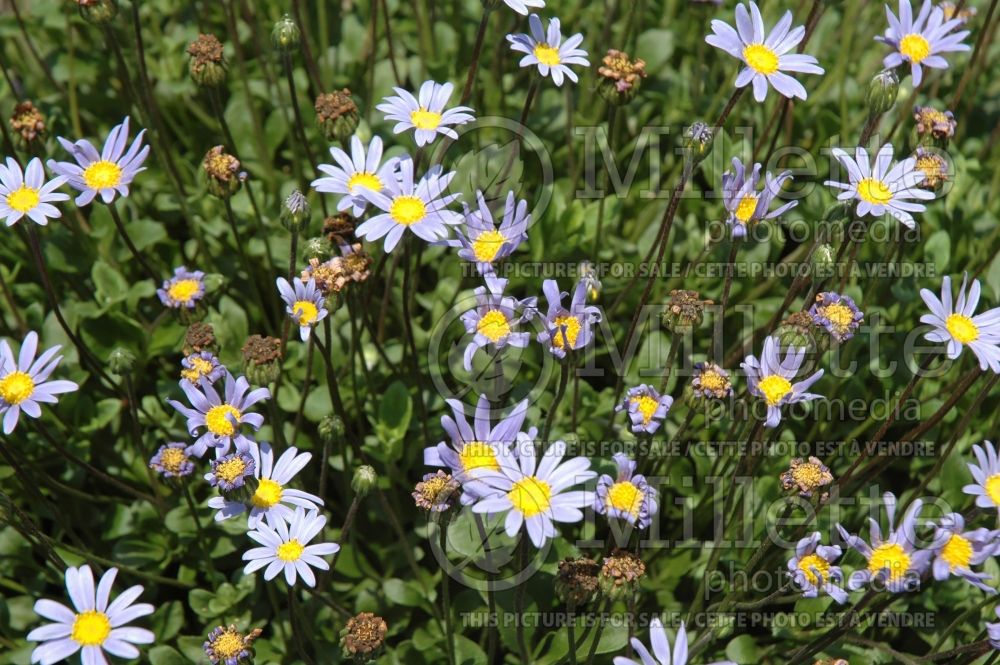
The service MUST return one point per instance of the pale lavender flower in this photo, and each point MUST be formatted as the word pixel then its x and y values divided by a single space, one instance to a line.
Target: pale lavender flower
pixel 957 550
pixel 747 206
pixel 27 194
pixel 661 652
pixel 521 6
pixel 183 290
pixel 353 172
pixel 201 365
pixel 172 461
pixel 548 51
pixel 219 420
pixel 495 318
pixel 106 173
pixel 771 378
pixel 837 314
pixel 767 58
pixel 305 304
pixel 646 408
pixel 920 40
pixel 958 324
pixel 425 114
pixel 813 571
pixel 567 329
pixel 482 242
pixel 986 473
pixel 24 381
pixel 627 496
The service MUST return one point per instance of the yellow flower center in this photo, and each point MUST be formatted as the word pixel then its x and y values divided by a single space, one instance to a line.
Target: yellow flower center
pixel 230 469
pixel 290 551
pixel 874 191
pixel 571 324
pixel 227 645
pixel 626 497
pixel 891 558
pixel 713 381
pixel 171 459
pixel 839 315
pixel 424 119
pixel 761 58
pixel 493 325
pixel 199 368
pixel 102 174
pixel 307 312
pixel 992 487
pixel 811 565
pixel 218 420
pixel 746 208
pixel 23 199
pixel 957 552
pixel 915 47
pixel 486 246
pixel 962 328
pixel 931 166
pixel 547 55
pixel 16 387
pixel 407 210
pixel 774 387
pixel 531 496
pixel 90 628
pixel 366 180
pixel 183 290
pixel 808 475
pixel 478 455
pixel 268 493
pixel 647 407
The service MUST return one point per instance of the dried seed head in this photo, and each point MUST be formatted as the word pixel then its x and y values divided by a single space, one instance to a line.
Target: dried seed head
pixel 363 637
pixel 340 229
pixel 206 64
pixel 620 77
pixel 934 167
pixel 806 476
pixel 938 124
pixel 337 114
pixel 199 337
pixel 27 122
pixel 621 573
pixel 436 493
pixel 262 359
pixel 685 311
pixel 577 581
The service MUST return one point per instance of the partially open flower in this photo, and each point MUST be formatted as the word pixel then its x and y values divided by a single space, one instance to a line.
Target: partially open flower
pixel 620 77
pixel 27 122
pixel 576 582
pixel 337 114
pixel 206 65
pixel 172 461
pixel 222 171
pixel 363 636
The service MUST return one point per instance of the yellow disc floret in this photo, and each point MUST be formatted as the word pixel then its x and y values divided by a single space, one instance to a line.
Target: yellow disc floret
pixel 267 494
pixel 183 290
pixel 774 387
pixel 102 174
pixel 230 469
pixel 290 551
pixel 571 324
pixel 761 58
pixel 407 210
pixel 890 558
pixel 229 644
pixel 493 325
pixel 812 565
pixel 424 119
pixel 547 55
pixel 957 552
pixel 306 311
pixel 915 47
pixel 90 628
pixel 23 199
pixel 219 420
pixel 874 191
pixel 992 487
pixel 531 496
pixel 647 406
pixel 961 328
pixel 746 208
pixel 487 245
pixel 16 387
pixel 626 497
pixel 366 180
pixel 478 455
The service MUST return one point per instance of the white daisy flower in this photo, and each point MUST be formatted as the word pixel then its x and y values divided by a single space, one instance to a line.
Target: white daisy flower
pixel 354 171
pixel 286 548
pixel 767 59
pixel 986 473
pixel 420 207
pixel 920 41
pixel 881 187
pixel 661 651
pixel 27 194
pixel 97 625
pixel 548 51
pixel 959 326
pixel 425 114
pixel 533 493
pixel 24 381
pixel 521 6
pixel 272 498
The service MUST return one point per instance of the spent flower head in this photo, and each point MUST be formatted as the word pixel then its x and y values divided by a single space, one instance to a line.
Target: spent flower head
pixel 336 114
pixel 28 123
pixel 206 62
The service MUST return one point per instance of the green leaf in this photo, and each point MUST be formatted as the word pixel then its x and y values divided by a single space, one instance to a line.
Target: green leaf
pixel 110 286
pixel 164 655
pixel 743 650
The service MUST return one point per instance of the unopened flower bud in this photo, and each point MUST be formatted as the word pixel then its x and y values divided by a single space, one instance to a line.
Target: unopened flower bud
pixel 98 12
pixel 364 480
pixel 206 64
pixel 121 361
pixel 295 213
pixel 823 260
pixel 882 91
pixel 337 114
pixel 285 35
pixel 698 142
pixel 331 429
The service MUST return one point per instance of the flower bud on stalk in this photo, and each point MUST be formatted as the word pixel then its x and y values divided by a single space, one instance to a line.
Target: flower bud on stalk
pixel 882 92
pixel 98 12
pixel 285 36
pixel 121 361
pixel 364 480
pixel 697 143
pixel 295 213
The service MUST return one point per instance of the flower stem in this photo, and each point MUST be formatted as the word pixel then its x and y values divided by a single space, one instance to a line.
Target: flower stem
pixel 519 594
pixel 477 50
pixel 449 636
pixel 136 254
pixel 560 392
pixel 293 616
